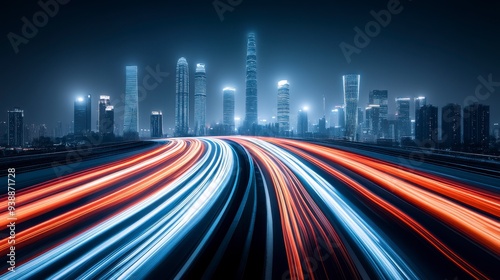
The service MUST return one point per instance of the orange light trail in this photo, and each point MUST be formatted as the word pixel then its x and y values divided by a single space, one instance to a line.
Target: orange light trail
pixel 302 221
pixel 478 227
pixel 391 209
pixel 183 158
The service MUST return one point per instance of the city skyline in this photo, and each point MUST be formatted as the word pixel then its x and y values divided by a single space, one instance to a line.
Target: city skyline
pixel 223 53
pixel 369 124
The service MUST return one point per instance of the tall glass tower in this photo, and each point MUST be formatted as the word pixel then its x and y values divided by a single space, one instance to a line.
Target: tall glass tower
pixel 82 115
pixel 419 103
pixel 228 109
pixel 428 124
pixel 105 115
pixel 15 128
pixel 131 117
pixel 403 117
pixel 380 97
pixel 251 83
pixel 283 107
pixel 182 98
pixel 351 98
pixel 200 99
pixel 302 123
pixel 476 126
pixel 156 125
pixel 451 125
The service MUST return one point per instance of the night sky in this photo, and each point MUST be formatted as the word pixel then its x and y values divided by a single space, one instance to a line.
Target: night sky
pixel 433 49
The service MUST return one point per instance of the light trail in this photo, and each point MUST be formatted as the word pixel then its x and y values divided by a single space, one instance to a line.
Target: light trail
pixel 128 192
pixel 381 256
pixel 249 207
pixel 47 197
pixel 392 210
pixel 171 212
pixel 482 229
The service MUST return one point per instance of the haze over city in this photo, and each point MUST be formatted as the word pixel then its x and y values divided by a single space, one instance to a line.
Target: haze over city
pixel 424 50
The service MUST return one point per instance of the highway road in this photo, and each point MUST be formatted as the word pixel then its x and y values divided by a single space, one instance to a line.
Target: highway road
pixel 256 208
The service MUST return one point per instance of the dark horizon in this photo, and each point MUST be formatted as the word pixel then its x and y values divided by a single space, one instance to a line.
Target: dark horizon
pixel 430 49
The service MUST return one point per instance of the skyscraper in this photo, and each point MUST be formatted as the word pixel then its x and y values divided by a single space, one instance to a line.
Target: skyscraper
pixel 372 121
pixel 182 98
pixel 337 117
pixel 451 119
pixel 302 123
pixel 15 128
pixel 403 117
pixel 228 109
pixel 361 119
pixel 131 117
pixel 82 115
pixel 4 133
pixel 251 83
pixel 106 120
pixel 200 97
pixel 419 103
pixel 283 107
pixel 351 98
pixel 427 124
pixel 322 126
pixel 156 124
pixel 476 126
pixel 380 97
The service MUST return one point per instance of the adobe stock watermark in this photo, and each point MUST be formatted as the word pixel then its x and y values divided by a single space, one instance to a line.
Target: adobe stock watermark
pixel 372 29
pixel 482 92
pixel 222 6
pixel 150 81
pixel 153 78
pixel 40 19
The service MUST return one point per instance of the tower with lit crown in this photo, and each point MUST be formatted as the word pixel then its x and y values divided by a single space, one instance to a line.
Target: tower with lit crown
pixel 82 115
pixel 351 98
pixel 283 107
pixel 228 109
pixel 105 121
pixel 182 98
pixel 200 97
pixel 251 83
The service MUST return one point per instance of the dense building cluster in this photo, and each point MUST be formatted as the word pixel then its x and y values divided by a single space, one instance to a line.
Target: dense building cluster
pixel 456 127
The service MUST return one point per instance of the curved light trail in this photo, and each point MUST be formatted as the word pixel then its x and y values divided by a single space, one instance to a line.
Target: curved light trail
pixel 246 207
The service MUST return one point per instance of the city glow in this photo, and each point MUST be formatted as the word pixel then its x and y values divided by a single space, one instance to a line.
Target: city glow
pixel 200 67
pixel 282 83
